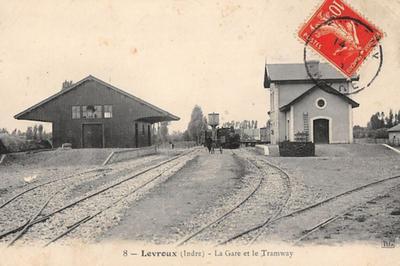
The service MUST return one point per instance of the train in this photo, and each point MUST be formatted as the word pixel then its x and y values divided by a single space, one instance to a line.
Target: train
pixel 226 137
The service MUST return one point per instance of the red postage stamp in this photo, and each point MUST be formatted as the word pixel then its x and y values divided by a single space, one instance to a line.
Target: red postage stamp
pixel 341 35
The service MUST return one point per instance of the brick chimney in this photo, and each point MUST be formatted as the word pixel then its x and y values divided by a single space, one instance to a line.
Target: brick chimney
pixel 66 84
pixel 313 68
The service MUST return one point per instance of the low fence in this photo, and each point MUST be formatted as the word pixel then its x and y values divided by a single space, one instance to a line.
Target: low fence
pixel 128 154
pixel 392 142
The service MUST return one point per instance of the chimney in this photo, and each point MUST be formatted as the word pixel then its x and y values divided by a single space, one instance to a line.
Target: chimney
pixel 66 84
pixel 313 68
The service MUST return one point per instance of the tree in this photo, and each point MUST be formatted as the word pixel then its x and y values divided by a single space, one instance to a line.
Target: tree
pixel 40 132
pixel 389 119
pixel 176 136
pixel 397 118
pixel 186 136
pixel 29 133
pixel 359 132
pixel 197 124
pixel 35 131
pixel 375 121
pixel 164 131
pixel 382 120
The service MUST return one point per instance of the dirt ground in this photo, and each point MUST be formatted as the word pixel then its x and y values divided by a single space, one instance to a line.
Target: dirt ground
pixel 20 169
pixel 337 168
pixel 375 221
pixel 207 185
pixel 160 215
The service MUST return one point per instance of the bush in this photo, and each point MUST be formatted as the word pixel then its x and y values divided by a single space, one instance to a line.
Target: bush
pixel 380 133
pixel 296 149
pixel 11 143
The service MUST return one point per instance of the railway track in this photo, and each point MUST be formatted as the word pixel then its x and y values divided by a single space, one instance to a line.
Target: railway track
pixel 20 205
pixel 258 229
pixel 40 217
pixel 119 169
pixel 334 218
pixel 263 181
pixel 18 195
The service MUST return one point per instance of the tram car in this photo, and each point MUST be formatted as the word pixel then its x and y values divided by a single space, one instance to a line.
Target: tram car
pixel 226 137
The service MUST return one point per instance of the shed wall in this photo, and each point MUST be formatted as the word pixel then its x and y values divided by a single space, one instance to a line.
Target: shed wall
pixel 118 131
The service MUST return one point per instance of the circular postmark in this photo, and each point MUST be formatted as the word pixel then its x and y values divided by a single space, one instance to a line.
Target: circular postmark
pixel 377 55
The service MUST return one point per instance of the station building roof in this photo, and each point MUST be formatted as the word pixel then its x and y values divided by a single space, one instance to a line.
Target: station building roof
pixel 162 115
pixel 394 129
pixel 297 73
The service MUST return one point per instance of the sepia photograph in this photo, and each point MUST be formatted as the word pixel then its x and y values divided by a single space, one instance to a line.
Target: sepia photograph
pixel 191 132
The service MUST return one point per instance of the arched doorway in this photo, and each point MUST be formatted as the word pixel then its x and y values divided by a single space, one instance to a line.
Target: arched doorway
pixel 321 130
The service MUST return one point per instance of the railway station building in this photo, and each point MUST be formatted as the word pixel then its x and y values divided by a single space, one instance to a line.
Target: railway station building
pixel 94 114
pixel 323 113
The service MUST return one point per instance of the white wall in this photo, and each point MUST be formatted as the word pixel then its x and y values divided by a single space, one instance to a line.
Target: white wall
pixel 336 110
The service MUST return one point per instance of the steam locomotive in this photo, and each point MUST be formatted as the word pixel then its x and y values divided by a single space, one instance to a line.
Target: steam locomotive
pixel 226 137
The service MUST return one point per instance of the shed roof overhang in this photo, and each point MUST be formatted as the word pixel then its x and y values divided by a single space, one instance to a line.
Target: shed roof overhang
pixel 156 119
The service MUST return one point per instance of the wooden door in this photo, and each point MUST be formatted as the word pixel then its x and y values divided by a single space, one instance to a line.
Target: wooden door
pixel 321 130
pixel 92 136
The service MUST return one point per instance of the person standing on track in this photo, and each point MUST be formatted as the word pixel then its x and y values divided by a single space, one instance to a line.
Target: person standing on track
pixel 213 145
pixel 208 144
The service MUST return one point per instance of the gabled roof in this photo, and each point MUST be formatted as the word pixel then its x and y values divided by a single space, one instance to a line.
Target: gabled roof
pixel 394 129
pixel 325 88
pixel 297 72
pixel 162 112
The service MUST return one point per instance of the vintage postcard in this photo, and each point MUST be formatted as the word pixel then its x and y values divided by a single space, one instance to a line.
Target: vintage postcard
pixel 190 132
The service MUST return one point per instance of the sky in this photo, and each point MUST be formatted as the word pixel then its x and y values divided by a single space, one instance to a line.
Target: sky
pixel 172 53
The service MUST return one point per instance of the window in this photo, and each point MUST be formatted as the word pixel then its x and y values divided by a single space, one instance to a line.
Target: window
pixel 107 111
pixel 76 112
pixel 320 103
pixel 143 133
pixel 91 111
